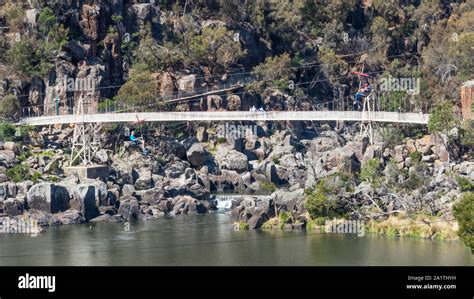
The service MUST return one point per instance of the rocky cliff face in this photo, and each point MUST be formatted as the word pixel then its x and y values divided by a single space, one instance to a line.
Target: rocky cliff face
pixel 98 50
pixel 178 176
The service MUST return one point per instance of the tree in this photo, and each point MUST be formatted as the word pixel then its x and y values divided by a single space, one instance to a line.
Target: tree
pixel 20 58
pixel 333 66
pixel 216 48
pixel 318 201
pixel 140 90
pixel 275 72
pixel 464 213
pixel 9 106
pixel 51 38
pixel 442 119
pixel 154 56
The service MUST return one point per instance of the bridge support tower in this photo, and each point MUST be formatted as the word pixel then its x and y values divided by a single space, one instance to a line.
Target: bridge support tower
pixel 85 140
pixel 368 110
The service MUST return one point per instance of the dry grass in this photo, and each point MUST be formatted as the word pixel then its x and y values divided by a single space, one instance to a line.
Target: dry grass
pixel 420 226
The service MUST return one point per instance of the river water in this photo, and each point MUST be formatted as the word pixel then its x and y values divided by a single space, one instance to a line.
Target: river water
pixel 210 240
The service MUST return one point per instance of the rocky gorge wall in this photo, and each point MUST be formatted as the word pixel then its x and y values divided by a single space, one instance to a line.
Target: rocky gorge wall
pixel 180 174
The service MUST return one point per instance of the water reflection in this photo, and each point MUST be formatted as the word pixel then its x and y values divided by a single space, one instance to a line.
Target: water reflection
pixel 211 240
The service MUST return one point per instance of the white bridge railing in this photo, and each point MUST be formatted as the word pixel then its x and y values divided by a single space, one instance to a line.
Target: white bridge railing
pixel 395 117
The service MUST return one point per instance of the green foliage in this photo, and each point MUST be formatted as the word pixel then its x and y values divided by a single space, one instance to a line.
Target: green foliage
pixel 284 217
pixel 35 177
pixel 334 66
pixel 20 58
pixel 416 177
pixel 107 105
pixel 392 136
pixel 10 107
pixel 318 201
pixel 34 53
pixel 216 48
pixel 117 18
pixel 241 225
pixel 465 184
pixel 221 140
pixel 441 118
pixel 18 173
pixel 464 213
pixel 467 138
pixel 7 132
pixel 141 89
pixel 416 157
pixel 268 187
pixel 370 171
pixel 15 16
pixel 462 52
pixel 51 38
pixel 275 72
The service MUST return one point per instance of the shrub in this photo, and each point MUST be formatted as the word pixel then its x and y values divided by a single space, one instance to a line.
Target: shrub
pixel 318 203
pixel 442 118
pixel 19 172
pixel 274 72
pixel 35 177
pixel 10 106
pixel 416 157
pixel 140 90
pixel 284 216
pixel 241 225
pixel 7 132
pixel 370 171
pixel 464 213
pixel 269 187
pixel 464 183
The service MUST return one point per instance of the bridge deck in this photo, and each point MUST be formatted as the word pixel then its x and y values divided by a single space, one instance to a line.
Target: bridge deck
pixel 395 117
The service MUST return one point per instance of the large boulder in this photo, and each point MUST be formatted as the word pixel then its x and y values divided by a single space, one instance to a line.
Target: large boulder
pixel 232 160
pixel 196 155
pixel 11 146
pixel 13 207
pixel 166 84
pixel 84 200
pixel 7 158
pixel 144 180
pixel 71 217
pixel 48 197
pixel 201 134
pixel 101 156
pixel 215 102
pixel 187 84
pixel 234 103
pixel 129 208
pixel 150 196
pixel 196 190
pixel 124 172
